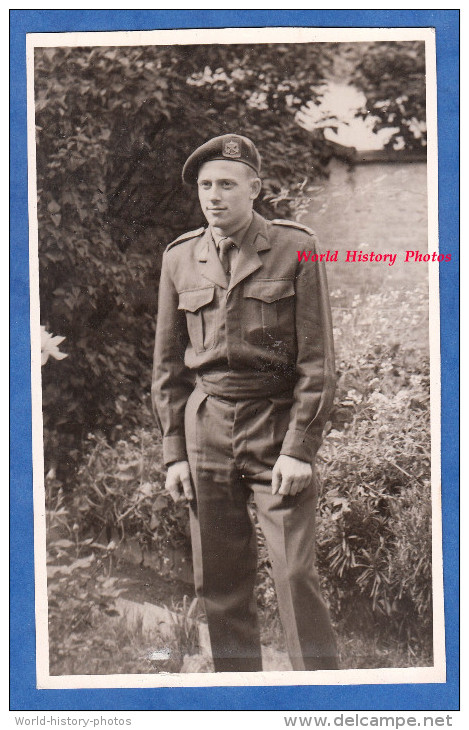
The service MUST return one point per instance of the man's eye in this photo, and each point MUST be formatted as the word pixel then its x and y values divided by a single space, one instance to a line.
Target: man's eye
pixel 227 184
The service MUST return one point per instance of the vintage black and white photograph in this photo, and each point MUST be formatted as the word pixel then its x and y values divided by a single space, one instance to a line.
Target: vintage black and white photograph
pixel 235 357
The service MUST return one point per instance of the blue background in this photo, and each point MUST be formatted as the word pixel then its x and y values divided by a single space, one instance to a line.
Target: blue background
pixel 24 695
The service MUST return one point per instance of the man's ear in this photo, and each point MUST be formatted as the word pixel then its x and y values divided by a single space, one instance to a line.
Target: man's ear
pixel 256 186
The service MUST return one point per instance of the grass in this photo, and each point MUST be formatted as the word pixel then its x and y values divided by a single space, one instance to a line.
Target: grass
pixel 117 646
pixel 113 646
pixel 110 646
pixel 358 651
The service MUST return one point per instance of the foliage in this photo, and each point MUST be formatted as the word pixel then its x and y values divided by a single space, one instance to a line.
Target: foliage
pixel 81 592
pixel 374 533
pixel 376 647
pixel 121 495
pixel 392 76
pixel 184 627
pixel 87 634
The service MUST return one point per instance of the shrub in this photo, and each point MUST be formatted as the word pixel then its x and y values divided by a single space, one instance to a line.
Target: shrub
pixel 121 495
pixel 81 591
pixel 87 634
pixel 374 531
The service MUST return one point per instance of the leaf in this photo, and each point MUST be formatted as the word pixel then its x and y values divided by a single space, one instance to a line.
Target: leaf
pixel 146 489
pixel 80 563
pixel 53 207
pixel 133 467
pixel 62 543
pixel 161 502
pixel 53 570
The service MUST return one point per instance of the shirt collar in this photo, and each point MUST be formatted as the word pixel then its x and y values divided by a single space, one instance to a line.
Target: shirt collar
pixel 237 236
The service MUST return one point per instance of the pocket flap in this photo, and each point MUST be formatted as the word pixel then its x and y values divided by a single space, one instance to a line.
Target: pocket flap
pixel 193 300
pixel 269 290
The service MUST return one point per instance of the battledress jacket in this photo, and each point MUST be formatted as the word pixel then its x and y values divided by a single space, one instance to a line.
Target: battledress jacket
pixel 270 324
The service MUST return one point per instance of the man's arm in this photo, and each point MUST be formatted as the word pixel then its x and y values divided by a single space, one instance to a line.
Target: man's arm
pixel 172 382
pixel 314 390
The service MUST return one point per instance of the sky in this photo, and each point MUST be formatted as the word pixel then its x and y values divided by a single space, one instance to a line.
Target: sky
pixel 336 112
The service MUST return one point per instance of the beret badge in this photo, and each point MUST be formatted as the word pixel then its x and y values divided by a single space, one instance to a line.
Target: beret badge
pixel 231 149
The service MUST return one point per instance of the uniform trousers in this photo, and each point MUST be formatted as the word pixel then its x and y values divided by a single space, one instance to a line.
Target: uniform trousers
pixel 232 447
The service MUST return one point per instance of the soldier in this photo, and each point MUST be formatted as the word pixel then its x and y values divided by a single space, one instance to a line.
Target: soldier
pixel 242 385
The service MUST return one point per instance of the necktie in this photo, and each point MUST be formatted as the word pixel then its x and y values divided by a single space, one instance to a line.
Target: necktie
pixel 226 246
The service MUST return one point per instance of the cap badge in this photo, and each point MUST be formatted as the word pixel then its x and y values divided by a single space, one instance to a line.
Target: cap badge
pixel 231 149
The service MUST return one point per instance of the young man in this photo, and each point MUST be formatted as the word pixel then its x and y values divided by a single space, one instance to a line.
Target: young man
pixel 243 382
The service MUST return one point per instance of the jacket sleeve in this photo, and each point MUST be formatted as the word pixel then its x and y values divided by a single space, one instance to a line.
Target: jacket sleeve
pixel 315 386
pixel 172 381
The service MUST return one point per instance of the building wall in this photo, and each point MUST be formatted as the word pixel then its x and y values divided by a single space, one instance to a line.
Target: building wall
pixel 380 207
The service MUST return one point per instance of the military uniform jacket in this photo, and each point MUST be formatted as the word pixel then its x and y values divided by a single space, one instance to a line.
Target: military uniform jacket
pixel 271 320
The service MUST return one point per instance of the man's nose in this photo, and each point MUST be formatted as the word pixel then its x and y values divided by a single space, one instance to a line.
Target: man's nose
pixel 214 193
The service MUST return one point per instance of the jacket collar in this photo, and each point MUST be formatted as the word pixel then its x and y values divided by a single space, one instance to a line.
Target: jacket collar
pixel 248 260
pixel 209 262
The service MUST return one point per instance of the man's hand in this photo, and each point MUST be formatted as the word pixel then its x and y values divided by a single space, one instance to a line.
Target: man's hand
pixel 290 475
pixel 178 477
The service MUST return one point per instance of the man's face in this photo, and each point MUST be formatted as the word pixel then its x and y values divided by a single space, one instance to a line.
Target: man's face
pixel 227 190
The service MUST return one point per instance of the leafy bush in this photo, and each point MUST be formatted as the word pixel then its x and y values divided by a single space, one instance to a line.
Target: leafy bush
pixel 81 592
pixel 121 495
pixel 374 532
pixel 390 74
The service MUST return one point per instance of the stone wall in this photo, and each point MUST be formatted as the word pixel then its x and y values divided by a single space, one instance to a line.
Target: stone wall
pixel 380 207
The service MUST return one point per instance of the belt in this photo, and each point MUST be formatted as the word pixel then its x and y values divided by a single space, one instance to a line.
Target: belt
pixel 239 385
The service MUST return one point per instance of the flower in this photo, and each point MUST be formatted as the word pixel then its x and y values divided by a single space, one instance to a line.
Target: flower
pixel 50 346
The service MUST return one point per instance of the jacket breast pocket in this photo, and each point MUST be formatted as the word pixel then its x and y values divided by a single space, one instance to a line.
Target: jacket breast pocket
pixel 270 313
pixel 201 317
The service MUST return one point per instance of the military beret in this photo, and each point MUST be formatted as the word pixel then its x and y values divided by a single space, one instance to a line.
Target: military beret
pixel 227 147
